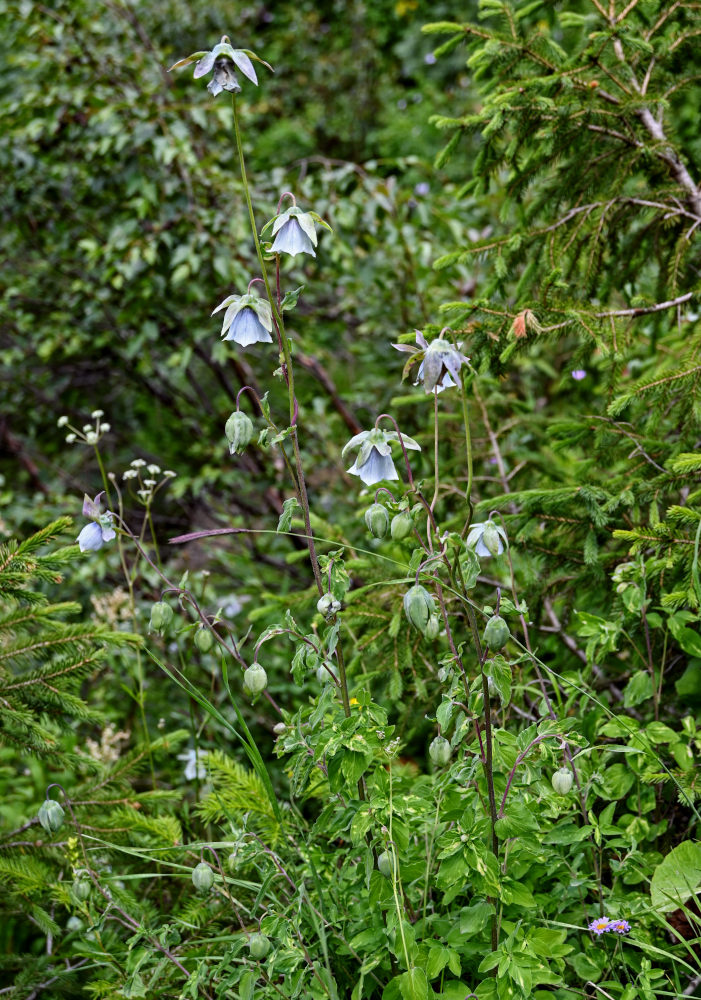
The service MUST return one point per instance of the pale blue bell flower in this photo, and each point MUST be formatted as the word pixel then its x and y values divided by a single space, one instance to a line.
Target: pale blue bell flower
pixel 247 329
pixel 292 239
pixel 374 463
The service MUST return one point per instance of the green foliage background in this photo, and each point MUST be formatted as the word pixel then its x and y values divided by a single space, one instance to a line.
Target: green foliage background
pixel 532 186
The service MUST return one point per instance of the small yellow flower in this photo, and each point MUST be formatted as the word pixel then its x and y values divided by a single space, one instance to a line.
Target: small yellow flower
pixel 354 701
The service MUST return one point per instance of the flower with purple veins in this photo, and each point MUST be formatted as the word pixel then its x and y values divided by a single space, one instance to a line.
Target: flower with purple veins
pixel 100 530
pixel 599 925
pixel 374 463
pixel 224 60
pixel 248 319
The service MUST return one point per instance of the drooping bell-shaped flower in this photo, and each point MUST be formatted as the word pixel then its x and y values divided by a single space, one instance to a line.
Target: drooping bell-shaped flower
pixel 295 231
pixel 440 362
pixel 223 61
pixel 100 530
pixel 374 463
pixel 487 538
pixel 248 319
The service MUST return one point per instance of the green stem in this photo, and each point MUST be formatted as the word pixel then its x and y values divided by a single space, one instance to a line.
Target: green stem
pixel 468 452
pixel 289 372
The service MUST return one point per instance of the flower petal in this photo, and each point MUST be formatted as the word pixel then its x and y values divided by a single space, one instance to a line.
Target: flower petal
pixel 90 539
pixel 245 65
pixel 354 442
pixel 377 468
pixel 292 239
pixel 247 329
pixel 204 66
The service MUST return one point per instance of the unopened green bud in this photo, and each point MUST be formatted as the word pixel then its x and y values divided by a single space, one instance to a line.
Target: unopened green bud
pixel 562 780
pixel 377 520
pixel 328 606
pixel 433 627
pixel 418 606
pixel 255 679
pixel 50 815
pixel 323 675
pixel 496 633
pixel 81 888
pixel 387 864
pixel 402 526
pixel 259 946
pixel 204 639
pixel 239 431
pixel 161 616
pixel 439 751
pixel 202 877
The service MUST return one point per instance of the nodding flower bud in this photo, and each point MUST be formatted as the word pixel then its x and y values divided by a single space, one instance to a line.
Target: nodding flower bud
pixel 418 607
pixel 490 537
pixel 402 525
pixel 433 627
pixel 239 431
pixel 204 639
pixel 328 606
pixel 81 888
pixel 50 815
pixel 440 751
pixel 562 780
pixel 255 679
pixel 496 633
pixel 387 864
pixel 259 946
pixel 161 616
pixel 202 877
pixel 377 520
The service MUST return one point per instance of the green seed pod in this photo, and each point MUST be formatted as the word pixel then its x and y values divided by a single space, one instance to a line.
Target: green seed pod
pixel 202 877
pixel 161 616
pixel 255 679
pixel 204 640
pixel 50 815
pixel 496 633
pixel 259 946
pixel 377 520
pixel 440 751
pixel 402 525
pixel 74 924
pixel 562 780
pixel 81 888
pixel 328 606
pixel 418 606
pixel 386 864
pixel 433 627
pixel 239 431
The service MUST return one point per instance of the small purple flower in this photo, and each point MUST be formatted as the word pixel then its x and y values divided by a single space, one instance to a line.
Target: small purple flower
pixel 422 189
pixel 100 530
pixel 578 374
pixel 599 925
pixel 618 926
pixel 429 59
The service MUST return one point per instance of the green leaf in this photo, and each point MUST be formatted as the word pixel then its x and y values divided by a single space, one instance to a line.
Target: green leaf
pixel 290 299
pixel 638 689
pixel 413 985
pixel 289 506
pixel 677 877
